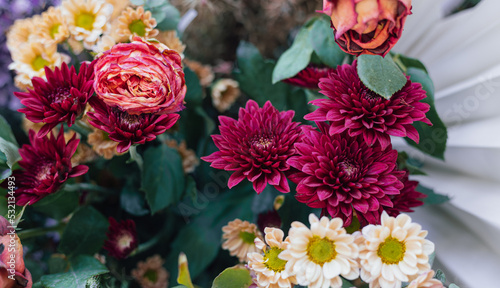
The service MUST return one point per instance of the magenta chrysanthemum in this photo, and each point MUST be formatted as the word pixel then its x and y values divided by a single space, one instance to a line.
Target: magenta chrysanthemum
pixel 46 166
pixel 340 174
pixel 256 146
pixel 122 238
pixel 407 199
pixel 353 107
pixel 127 129
pixel 309 77
pixel 61 98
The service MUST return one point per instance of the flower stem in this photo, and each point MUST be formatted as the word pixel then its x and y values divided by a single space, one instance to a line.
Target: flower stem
pixel 87 186
pixel 35 232
pixel 134 156
pixel 147 245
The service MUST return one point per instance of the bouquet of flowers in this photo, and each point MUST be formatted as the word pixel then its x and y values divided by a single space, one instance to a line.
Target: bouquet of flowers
pixel 266 162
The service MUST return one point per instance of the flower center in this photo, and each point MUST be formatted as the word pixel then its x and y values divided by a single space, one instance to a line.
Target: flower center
pixel 371 96
pixel 59 95
pixel 43 172
pixel 247 237
pixel 124 241
pixel 321 250
pixel 348 168
pixel 151 275
pixel 132 122
pixel 272 261
pixel 138 27
pixel 54 30
pixel 38 63
pixel 391 251
pixel 262 142
pixel 85 21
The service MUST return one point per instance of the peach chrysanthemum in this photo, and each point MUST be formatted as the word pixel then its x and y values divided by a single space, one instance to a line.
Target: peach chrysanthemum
pixel 30 60
pixel 426 280
pixel 18 35
pixel 87 19
pixel 188 156
pixel 239 238
pixel 172 41
pixel 204 72
pixel 104 43
pixel 318 256
pixel 150 273
pixel 136 22
pixel 224 93
pixel 394 252
pixel 118 7
pixel 52 26
pixel 102 145
pixel 268 268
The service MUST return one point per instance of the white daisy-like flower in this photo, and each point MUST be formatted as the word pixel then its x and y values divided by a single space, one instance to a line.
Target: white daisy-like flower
pixel 394 252
pixel 87 19
pixel 239 238
pixel 268 268
pixel 426 280
pixel 319 255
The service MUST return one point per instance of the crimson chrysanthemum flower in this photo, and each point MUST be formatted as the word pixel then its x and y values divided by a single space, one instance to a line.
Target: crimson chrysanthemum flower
pixel 407 199
pixel 256 146
pixel 353 107
pixel 340 174
pixel 46 166
pixel 122 238
pixel 309 76
pixel 60 98
pixel 127 129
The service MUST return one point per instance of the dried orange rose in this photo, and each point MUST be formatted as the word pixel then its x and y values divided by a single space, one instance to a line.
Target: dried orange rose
pixel 141 77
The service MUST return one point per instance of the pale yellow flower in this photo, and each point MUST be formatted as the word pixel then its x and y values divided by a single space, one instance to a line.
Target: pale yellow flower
pixel 204 72
pixel 104 44
pixel 136 22
pixel 239 238
pixel 52 26
pixel 150 273
pixel 224 94
pixel 319 255
pixel 268 268
pixel 188 156
pixel 426 280
pixel 19 33
pixel 87 19
pixel 170 39
pixel 394 252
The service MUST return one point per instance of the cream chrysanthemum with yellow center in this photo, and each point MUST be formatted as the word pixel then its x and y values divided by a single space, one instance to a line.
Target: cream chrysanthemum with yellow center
pixel 52 26
pixel 239 238
pixel 426 280
pixel 136 22
pixel 19 33
pixel 319 255
pixel 29 61
pixel 394 252
pixel 86 19
pixel 269 269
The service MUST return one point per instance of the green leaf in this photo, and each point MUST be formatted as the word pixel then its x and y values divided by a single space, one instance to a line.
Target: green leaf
pixel 138 2
pixel 233 278
pixel 294 59
pixel 167 17
pixel 81 269
pixel 381 75
pixel 254 75
pixel 453 286
pixel 323 43
pixel 346 284
pixel 440 276
pixel 297 101
pixel 432 197
pixel 58 205
pixel 405 162
pixel 6 131
pixel 85 233
pixel 162 177
pixel 57 264
pixel 432 138
pixel 10 150
pixel 194 93
pixel 406 62
pixel 132 201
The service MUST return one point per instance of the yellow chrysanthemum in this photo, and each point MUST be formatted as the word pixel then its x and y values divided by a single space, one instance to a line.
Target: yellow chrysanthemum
pixel 224 93
pixel 172 41
pixel 87 19
pixel 52 26
pixel 136 22
pixel 19 33
pixel 239 238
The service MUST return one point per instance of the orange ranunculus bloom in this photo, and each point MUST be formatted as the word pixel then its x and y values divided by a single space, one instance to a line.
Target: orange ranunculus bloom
pixel 141 77
pixel 367 26
pixel 13 274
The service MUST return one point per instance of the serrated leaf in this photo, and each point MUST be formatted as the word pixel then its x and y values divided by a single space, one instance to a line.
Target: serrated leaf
pixel 233 278
pixel 81 269
pixel 293 60
pixel 380 75
pixel 432 138
pixel 85 232
pixel 323 43
pixel 162 177
pixel 432 197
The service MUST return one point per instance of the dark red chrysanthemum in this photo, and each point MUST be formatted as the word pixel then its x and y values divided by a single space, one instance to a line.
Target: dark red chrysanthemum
pixel 340 173
pixel 309 76
pixel 62 98
pixel 407 199
pixel 127 129
pixel 122 238
pixel 353 107
pixel 256 146
pixel 46 166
